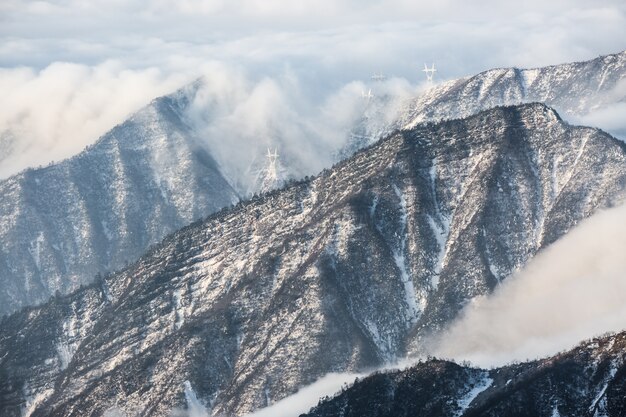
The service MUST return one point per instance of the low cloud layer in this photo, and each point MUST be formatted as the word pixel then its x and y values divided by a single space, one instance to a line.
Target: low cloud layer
pixel 52 114
pixel 571 291
pixel 240 118
pixel 307 397
pixel 70 69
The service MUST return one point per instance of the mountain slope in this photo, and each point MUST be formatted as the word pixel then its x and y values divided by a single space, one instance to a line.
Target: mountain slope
pixel 343 272
pixel 63 224
pixel 589 380
pixel 573 89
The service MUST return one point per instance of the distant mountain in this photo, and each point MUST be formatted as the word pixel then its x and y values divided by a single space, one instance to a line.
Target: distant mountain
pixel 346 271
pixel 589 380
pixel 63 224
pixel 573 89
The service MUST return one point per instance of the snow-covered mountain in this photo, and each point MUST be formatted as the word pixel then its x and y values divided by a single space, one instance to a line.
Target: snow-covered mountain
pixel 346 271
pixel 63 224
pixel 589 380
pixel 574 89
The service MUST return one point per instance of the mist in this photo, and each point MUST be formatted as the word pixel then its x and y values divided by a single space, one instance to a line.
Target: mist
pixel 70 70
pixel 307 397
pixel 571 291
pixel 611 115
pixel 54 113
pixel 239 118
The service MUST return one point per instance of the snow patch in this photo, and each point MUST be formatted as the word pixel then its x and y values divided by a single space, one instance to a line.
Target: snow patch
pixel 481 385
pixel 180 316
pixel 64 351
pixel 106 230
pixel 35 250
pixel 385 346
pixel 440 227
pixel 529 76
pixel 33 401
pixel 413 311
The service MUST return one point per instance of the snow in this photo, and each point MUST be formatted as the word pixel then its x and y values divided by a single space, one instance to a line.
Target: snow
pixel 385 346
pixel 65 354
pixel 554 178
pixel 35 250
pixel 195 407
pixel 399 256
pixel 106 230
pixel 180 316
pixel 529 76
pixel 33 401
pixel 598 405
pixel 440 228
pixel 481 385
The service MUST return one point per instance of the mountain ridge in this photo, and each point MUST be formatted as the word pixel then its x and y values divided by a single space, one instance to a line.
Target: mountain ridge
pixel 344 271
pixel 588 379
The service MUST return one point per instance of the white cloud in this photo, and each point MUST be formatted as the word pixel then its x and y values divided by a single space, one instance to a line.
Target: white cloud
pixel 307 397
pixel 238 118
pixel 571 291
pixel 56 112
pixel 57 108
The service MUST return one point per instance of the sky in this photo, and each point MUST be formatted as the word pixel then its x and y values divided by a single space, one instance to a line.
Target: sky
pixel 72 69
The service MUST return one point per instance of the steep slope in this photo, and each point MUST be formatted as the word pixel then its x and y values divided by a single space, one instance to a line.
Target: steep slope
pixel 346 271
pixel 589 380
pixel 63 224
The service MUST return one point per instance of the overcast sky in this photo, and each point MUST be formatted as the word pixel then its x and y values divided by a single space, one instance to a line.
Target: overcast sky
pixel 103 59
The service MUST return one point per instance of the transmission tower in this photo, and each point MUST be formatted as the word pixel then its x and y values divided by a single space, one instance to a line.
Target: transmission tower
pixel 272 175
pixel 430 72
pixel 378 77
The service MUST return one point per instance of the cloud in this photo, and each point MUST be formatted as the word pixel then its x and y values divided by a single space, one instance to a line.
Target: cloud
pixel 238 118
pixel 609 115
pixel 307 397
pixel 571 291
pixel 70 69
pixel 54 113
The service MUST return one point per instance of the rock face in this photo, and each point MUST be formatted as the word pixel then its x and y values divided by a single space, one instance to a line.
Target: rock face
pixel 589 380
pixel 61 225
pixel 345 271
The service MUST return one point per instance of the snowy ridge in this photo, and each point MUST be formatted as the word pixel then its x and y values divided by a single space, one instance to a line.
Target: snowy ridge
pixel 310 283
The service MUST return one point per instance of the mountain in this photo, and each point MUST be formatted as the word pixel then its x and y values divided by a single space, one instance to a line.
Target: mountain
pixel 62 224
pixel 589 380
pixel 346 271
pixel 573 89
